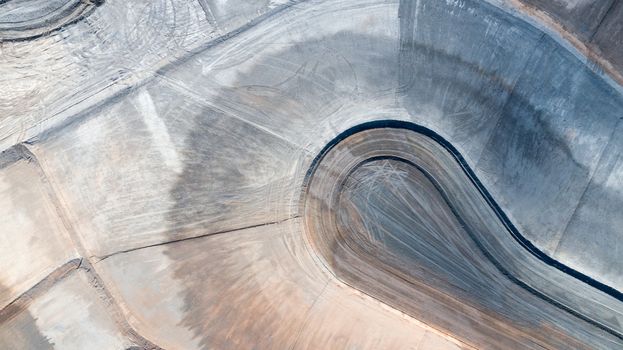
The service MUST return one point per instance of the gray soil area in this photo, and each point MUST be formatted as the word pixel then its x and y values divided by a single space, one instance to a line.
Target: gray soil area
pixel 279 174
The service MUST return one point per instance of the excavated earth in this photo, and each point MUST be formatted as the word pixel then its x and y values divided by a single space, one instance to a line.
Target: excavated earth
pixel 415 174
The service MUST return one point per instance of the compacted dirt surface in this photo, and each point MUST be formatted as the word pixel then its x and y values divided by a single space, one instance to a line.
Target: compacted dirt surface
pixel 336 174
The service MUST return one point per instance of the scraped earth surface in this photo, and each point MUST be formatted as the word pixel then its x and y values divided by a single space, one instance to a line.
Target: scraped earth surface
pixel 310 175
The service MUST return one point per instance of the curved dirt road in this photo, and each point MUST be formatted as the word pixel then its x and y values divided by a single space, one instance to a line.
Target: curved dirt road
pixel 395 213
